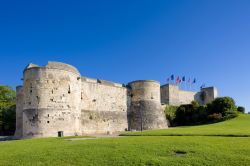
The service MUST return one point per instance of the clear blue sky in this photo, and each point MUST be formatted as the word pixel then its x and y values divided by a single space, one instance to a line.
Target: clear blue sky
pixel 133 39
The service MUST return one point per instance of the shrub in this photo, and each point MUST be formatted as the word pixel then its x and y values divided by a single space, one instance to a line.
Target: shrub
pixel 189 114
pixel 215 117
pixel 241 109
pixel 180 116
pixel 230 115
pixel 170 114
pixel 222 105
pixel 220 109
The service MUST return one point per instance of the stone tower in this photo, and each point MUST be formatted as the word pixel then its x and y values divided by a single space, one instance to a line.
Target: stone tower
pixel 170 94
pixel 51 100
pixel 145 109
pixel 207 95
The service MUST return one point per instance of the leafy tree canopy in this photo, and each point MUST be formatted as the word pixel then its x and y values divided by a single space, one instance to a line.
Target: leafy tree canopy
pixel 7 109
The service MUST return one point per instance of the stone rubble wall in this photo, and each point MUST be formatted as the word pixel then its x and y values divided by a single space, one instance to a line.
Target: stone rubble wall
pixel 19 112
pixel 172 95
pixel 186 97
pixel 56 98
pixel 103 107
pixel 51 102
pixel 145 111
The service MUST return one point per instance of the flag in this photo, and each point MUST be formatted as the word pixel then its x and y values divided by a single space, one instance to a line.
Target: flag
pixel 203 86
pixel 168 79
pixel 178 80
pixel 194 81
pixel 172 77
pixel 183 79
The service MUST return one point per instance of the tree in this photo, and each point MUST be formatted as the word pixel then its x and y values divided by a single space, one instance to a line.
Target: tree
pixel 222 105
pixel 241 109
pixel 7 110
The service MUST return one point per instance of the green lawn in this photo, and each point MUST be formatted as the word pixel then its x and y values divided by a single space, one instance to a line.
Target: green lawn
pixel 138 150
pixel 239 126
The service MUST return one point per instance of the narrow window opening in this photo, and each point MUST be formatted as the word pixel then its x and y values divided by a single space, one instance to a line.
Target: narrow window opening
pixel 38 99
pixel 48 115
pixel 47 121
pixel 69 91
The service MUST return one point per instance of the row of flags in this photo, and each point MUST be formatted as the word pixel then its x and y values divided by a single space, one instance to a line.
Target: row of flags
pixel 179 79
pixel 188 81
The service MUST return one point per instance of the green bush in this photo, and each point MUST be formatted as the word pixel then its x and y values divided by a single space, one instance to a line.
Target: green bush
pixel 230 115
pixel 190 114
pixel 222 108
pixel 241 109
pixel 170 114
pixel 222 105
pixel 215 117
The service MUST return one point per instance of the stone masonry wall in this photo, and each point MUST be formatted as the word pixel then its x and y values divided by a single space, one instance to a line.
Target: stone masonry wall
pixel 51 101
pixel 56 98
pixel 145 110
pixel 172 95
pixel 186 97
pixel 103 107
pixel 19 112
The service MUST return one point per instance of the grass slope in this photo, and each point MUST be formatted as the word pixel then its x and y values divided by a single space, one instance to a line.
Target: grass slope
pixel 239 126
pixel 142 150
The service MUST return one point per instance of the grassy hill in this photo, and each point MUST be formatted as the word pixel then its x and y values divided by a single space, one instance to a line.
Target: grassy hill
pixel 239 126
pixel 139 150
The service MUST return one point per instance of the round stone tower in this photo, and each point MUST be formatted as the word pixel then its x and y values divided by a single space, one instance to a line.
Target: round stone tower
pixel 51 100
pixel 145 109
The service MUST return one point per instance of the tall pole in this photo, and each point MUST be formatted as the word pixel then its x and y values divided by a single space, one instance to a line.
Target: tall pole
pixel 141 118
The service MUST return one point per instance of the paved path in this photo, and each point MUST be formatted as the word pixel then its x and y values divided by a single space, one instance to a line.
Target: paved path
pixel 95 136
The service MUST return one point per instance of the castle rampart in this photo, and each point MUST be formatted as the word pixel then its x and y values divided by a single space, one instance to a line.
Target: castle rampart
pixel 56 98
pixel 103 107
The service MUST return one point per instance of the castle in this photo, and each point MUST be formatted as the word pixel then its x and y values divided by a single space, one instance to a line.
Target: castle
pixel 56 99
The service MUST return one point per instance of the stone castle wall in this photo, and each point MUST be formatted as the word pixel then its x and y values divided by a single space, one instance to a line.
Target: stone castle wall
pixel 57 98
pixel 172 95
pixel 103 107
